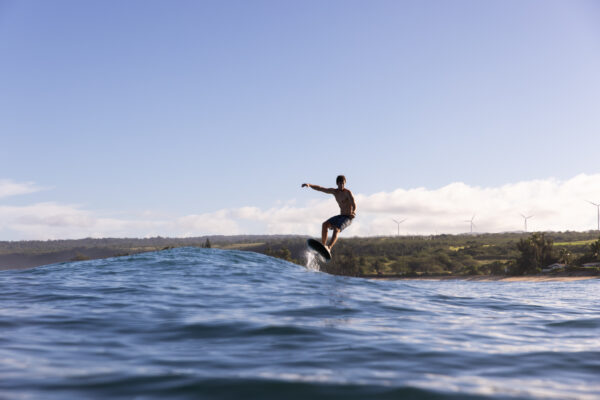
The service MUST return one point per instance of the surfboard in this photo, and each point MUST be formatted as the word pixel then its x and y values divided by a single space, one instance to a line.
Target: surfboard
pixel 319 248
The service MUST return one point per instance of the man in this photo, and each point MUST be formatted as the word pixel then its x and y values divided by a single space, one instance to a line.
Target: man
pixel 347 205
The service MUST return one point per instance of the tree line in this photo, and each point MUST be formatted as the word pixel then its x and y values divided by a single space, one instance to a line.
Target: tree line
pixel 480 254
pixel 457 255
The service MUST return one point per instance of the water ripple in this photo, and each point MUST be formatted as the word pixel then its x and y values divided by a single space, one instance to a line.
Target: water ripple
pixel 213 324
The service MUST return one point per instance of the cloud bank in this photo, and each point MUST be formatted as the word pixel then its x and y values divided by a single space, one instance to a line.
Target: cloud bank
pixel 555 205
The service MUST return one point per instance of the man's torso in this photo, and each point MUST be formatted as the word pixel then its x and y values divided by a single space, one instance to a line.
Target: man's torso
pixel 343 199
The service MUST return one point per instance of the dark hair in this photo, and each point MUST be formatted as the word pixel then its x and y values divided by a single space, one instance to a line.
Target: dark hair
pixel 340 179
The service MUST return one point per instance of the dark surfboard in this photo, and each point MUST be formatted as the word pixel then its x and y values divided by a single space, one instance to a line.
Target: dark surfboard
pixel 319 248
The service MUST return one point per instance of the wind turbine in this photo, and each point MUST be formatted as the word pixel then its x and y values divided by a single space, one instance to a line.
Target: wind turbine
pixel 398 223
pixel 526 218
pixel 598 207
pixel 471 222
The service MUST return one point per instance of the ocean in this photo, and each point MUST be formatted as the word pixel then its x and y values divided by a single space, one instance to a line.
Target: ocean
pixel 216 324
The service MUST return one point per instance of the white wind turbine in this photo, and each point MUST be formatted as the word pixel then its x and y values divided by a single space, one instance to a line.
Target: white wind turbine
pixel 398 223
pixel 525 218
pixel 471 222
pixel 598 207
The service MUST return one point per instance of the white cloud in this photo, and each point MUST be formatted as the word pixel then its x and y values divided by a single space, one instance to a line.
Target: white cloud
pixel 60 221
pixel 555 204
pixel 10 188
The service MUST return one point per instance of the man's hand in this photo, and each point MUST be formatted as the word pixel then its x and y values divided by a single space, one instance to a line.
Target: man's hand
pixel 319 188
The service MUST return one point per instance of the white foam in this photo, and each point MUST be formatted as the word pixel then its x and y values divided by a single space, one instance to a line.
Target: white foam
pixel 312 261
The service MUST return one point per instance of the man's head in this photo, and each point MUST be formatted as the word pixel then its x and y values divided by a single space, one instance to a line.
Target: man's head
pixel 340 180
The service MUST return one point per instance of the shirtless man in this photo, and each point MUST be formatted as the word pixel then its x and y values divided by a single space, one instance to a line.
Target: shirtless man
pixel 347 210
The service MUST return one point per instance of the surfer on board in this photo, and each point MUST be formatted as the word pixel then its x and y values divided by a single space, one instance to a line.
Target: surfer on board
pixel 347 205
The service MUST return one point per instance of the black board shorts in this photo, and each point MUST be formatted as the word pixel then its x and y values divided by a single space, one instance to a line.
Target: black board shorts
pixel 340 221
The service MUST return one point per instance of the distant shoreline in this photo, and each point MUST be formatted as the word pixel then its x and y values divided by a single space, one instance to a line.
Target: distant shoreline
pixel 489 278
pixel 475 258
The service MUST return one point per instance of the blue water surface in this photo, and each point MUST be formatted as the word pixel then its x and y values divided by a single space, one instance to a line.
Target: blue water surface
pixel 214 324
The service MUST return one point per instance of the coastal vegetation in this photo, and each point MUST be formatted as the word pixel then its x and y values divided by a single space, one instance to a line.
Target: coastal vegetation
pixel 398 256
pixel 501 254
pixel 511 254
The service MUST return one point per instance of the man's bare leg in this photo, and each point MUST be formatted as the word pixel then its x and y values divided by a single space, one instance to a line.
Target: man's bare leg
pixel 324 233
pixel 336 231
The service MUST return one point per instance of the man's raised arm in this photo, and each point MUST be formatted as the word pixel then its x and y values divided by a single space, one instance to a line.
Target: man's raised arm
pixel 319 188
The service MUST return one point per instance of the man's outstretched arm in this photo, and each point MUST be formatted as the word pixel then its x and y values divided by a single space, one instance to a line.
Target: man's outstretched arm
pixel 319 188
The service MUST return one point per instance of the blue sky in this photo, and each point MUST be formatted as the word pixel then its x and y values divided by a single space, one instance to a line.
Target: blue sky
pixel 125 110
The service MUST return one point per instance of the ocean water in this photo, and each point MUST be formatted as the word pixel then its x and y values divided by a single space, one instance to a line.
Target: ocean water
pixel 213 324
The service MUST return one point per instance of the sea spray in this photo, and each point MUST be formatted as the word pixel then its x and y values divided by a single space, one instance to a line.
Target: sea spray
pixel 312 260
